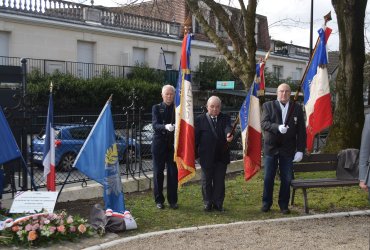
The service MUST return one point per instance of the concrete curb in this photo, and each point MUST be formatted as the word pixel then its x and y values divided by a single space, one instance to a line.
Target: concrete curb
pixel 180 230
pixel 72 192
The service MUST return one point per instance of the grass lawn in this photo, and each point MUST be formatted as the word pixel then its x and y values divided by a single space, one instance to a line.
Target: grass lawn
pixel 242 203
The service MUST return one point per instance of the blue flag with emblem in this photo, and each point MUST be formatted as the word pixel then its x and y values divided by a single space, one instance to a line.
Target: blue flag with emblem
pixel 8 147
pixel 98 159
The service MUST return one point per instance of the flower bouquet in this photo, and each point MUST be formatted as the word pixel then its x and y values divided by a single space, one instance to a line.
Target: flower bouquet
pixel 36 229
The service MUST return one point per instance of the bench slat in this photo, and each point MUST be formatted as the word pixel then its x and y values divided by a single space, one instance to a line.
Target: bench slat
pixel 327 182
pixel 320 157
pixel 314 167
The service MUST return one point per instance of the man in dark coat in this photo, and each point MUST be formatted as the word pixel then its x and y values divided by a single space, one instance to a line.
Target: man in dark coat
pixel 212 132
pixel 283 145
pixel 163 118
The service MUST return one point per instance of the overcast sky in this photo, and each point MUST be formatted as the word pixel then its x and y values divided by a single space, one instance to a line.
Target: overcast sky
pixel 289 20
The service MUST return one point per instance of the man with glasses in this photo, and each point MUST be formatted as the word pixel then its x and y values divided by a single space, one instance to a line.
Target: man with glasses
pixel 284 143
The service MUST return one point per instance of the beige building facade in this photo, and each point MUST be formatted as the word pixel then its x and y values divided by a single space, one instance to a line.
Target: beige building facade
pixel 57 40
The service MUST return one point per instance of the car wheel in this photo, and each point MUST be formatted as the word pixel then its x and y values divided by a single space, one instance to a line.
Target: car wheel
pixel 66 162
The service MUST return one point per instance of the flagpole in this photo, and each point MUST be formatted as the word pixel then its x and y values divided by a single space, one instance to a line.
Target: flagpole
pixel 70 171
pixel 327 18
pixel 253 85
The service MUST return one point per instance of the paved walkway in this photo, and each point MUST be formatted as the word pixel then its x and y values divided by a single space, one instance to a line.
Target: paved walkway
pixel 346 230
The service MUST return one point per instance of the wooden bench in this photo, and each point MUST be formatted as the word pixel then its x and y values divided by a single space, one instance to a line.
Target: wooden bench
pixel 317 163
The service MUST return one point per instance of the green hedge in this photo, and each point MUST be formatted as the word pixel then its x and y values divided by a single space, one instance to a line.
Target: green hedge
pixel 75 93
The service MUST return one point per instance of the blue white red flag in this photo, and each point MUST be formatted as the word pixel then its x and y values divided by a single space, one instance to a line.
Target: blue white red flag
pixel 98 159
pixel 8 147
pixel 250 123
pixel 260 76
pixel 184 127
pixel 316 90
pixel 48 159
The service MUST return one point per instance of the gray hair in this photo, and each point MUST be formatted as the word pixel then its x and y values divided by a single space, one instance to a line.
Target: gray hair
pixel 168 86
pixel 214 98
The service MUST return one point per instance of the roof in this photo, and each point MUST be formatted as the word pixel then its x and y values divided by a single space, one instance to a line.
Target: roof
pixel 333 57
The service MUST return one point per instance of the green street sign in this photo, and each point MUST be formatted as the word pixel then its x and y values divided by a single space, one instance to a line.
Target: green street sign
pixel 225 84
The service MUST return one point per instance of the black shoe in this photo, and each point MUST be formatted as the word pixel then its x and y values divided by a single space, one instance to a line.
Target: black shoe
pixel 160 205
pixel 208 207
pixel 285 211
pixel 265 209
pixel 174 206
pixel 220 208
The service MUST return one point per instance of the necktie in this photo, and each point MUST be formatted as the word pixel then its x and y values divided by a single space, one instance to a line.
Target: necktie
pixel 214 120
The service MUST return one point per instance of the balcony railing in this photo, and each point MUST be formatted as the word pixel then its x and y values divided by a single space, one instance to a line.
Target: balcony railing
pixel 68 11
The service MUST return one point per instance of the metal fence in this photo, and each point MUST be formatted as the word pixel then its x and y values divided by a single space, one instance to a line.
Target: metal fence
pixel 134 134
pixel 80 69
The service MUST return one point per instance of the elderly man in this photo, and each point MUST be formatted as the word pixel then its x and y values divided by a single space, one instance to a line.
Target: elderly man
pixel 163 118
pixel 284 143
pixel 212 132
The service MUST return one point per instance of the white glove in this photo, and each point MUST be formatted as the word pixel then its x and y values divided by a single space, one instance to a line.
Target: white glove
pixel 298 157
pixel 169 127
pixel 283 129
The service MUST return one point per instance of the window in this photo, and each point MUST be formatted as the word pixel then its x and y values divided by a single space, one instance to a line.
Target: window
pixel 85 52
pixel 139 56
pixel 85 57
pixel 299 73
pixel 206 14
pixel 170 59
pixel 53 66
pixel 4 47
pixel 278 71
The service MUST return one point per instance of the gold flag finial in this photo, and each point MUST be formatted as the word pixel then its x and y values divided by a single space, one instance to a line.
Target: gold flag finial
pixel 110 98
pixel 187 25
pixel 51 87
pixel 327 17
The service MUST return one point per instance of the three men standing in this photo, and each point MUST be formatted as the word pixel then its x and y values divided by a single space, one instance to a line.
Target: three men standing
pixel 284 143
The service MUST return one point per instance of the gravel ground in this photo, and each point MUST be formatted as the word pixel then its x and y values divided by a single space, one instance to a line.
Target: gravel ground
pixel 350 232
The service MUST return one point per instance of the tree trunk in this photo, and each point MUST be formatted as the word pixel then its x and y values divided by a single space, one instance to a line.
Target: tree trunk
pixel 349 104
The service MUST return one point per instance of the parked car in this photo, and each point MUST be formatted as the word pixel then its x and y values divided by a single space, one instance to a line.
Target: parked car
pixel 68 142
pixel 146 140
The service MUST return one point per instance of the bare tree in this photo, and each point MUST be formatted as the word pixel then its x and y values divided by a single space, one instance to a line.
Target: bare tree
pixel 241 58
pixel 349 105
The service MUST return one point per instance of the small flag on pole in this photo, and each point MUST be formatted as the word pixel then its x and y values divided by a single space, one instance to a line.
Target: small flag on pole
pixel 184 127
pixel 260 75
pixel 48 160
pixel 316 89
pixel 98 159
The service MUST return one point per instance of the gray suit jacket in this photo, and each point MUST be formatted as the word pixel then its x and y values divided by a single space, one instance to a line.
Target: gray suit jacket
pixel 364 157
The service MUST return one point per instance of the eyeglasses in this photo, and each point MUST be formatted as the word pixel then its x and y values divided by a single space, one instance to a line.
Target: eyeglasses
pixel 284 91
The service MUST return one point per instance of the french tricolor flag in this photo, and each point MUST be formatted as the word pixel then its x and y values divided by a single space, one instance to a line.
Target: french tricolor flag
pixel 250 122
pixel 316 90
pixel 184 128
pixel 48 160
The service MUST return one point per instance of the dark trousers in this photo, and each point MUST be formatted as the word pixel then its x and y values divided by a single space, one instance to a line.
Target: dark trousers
pixel 159 164
pixel 271 164
pixel 213 184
